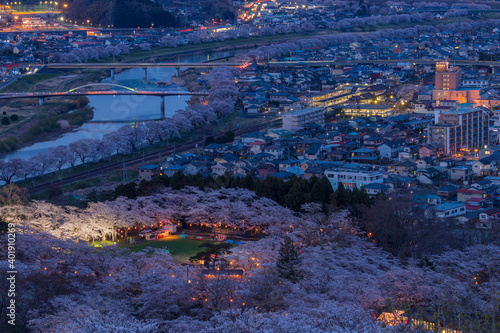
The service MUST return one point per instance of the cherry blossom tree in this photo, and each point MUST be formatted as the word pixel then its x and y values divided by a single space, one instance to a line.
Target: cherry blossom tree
pixel 168 41
pixel 7 171
pixel 60 156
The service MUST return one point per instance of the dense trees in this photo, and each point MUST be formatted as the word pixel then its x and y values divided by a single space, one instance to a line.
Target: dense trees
pixel 89 53
pixel 68 285
pixel 292 194
pixel 289 260
pixel 225 208
pixel 227 137
pixel 405 229
pixel 12 194
pixel 122 13
pixel 212 253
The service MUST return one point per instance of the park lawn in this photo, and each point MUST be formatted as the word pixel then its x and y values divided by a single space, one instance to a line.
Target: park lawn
pixel 101 243
pixel 182 248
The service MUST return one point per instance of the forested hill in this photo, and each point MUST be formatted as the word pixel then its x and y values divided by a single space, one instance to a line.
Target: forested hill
pixel 126 13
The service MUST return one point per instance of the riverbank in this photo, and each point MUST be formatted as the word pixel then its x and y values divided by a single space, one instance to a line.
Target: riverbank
pixel 58 119
pixel 55 118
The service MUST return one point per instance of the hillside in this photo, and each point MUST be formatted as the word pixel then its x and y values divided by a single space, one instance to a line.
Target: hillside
pixel 121 13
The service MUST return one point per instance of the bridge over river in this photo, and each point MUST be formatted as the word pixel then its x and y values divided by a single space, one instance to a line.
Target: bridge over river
pixel 119 90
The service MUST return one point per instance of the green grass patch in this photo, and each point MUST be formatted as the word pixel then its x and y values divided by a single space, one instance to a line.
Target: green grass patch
pixel 101 243
pixel 182 248
pixel 47 124
pixel 26 83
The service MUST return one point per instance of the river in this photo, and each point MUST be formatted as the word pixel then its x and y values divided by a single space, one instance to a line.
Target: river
pixel 112 112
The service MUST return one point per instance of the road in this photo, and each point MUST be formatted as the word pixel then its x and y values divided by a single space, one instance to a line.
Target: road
pixel 321 63
pixel 125 65
pixel 147 158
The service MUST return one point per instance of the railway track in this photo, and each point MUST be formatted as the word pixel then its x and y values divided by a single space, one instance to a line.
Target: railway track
pixel 140 160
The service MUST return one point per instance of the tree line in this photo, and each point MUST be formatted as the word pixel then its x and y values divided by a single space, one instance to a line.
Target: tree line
pixel 292 194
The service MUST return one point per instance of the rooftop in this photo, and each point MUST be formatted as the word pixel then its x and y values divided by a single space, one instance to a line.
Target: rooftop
pixel 304 111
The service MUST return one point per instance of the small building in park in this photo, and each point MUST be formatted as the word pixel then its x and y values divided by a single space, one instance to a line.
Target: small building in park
pixel 172 228
pixel 212 273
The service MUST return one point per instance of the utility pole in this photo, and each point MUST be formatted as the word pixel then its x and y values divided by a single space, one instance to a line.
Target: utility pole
pixel 124 172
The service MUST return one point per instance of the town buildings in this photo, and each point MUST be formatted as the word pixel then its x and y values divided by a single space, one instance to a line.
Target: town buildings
pixel 296 120
pixel 353 178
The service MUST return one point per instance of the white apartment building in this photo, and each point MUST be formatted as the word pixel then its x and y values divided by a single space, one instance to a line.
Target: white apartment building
pixel 460 129
pixel 298 119
pixel 353 178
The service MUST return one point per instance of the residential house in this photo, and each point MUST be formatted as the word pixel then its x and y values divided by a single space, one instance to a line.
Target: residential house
pixel 313 171
pixel 474 204
pixel 482 184
pixel 390 149
pixel 257 147
pixel 215 148
pixel 460 173
pixel 375 188
pixel 245 170
pixel 314 151
pixel 464 195
pixel 364 155
pixel 405 168
pixel 195 167
pixel 489 219
pixel 170 170
pixel 427 198
pixel 485 166
pixel 303 146
pixel 449 209
pixel 430 150
pixel 220 168
pixel 287 164
pixel 276 151
pixel 285 175
pixel 337 155
pixel 447 191
pixel 148 172
pixel 266 169
pixel 352 178
pixel 469 218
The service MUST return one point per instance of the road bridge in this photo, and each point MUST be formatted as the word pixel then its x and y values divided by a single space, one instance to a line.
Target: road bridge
pixel 144 66
pixel 123 90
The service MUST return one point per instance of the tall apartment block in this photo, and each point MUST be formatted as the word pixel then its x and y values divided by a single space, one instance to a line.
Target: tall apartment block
pixel 460 129
pixel 447 78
